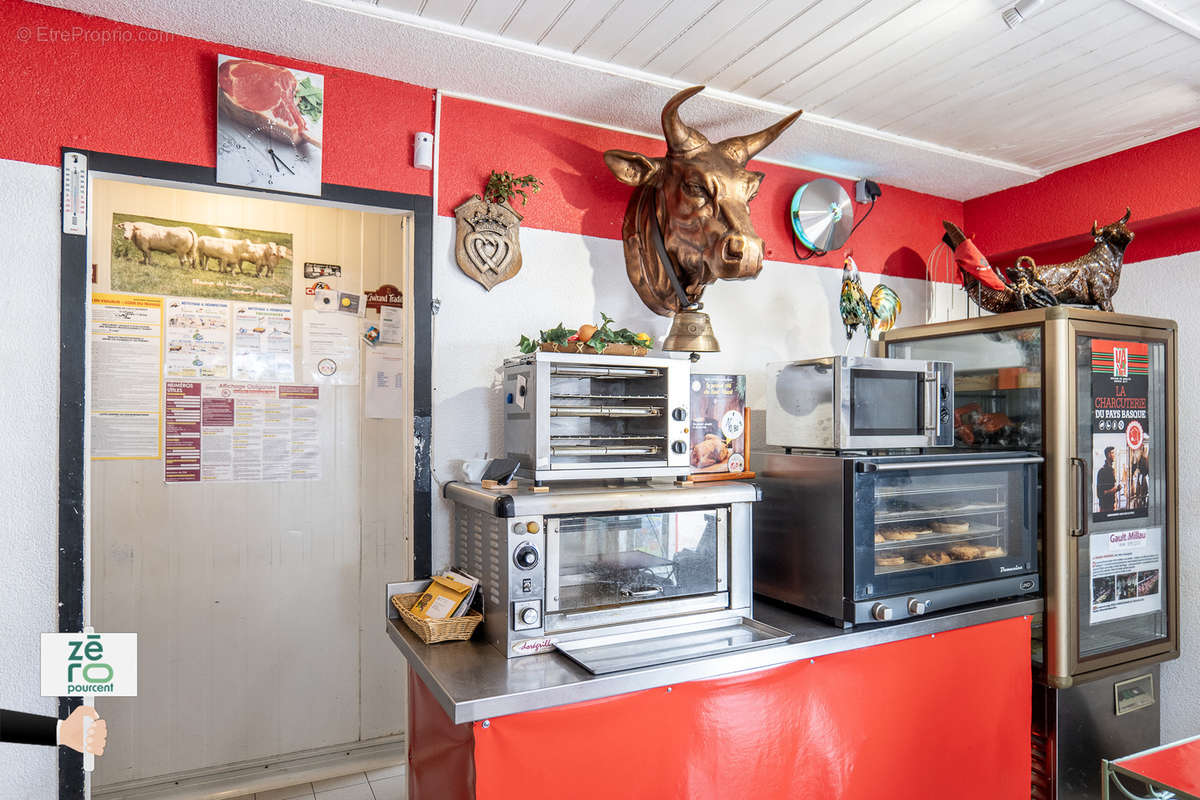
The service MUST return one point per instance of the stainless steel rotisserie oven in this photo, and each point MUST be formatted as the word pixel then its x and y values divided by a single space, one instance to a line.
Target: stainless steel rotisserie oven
pixel 569 416
pixel 614 578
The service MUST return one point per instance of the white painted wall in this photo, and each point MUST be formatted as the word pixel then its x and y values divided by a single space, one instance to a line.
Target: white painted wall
pixel 29 467
pixel 789 311
pixel 1167 287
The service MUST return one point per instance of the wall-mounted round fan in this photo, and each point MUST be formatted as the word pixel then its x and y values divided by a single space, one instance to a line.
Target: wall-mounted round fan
pixel 822 215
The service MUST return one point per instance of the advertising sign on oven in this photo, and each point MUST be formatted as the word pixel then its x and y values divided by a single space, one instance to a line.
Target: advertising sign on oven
pixel 1120 429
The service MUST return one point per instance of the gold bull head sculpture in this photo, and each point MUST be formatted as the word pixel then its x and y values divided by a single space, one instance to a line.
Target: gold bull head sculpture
pixel 698 196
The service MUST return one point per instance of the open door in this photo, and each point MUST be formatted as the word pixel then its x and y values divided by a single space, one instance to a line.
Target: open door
pixel 246 500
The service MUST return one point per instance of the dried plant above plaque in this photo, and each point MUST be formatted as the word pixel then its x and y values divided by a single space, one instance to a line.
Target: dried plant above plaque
pixel 488 245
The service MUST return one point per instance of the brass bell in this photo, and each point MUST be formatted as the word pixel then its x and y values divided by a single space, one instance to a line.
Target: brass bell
pixel 691 332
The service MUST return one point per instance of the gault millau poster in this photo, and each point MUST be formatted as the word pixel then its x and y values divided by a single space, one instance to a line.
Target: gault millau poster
pixel 1120 430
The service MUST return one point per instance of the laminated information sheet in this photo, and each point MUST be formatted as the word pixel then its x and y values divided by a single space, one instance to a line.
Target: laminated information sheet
pixel 218 431
pixel 126 342
pixel 262 342
pixel 1126 573
pixel 197 338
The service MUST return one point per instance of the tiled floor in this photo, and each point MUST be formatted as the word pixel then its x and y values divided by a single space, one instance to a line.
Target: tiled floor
pixel 390 783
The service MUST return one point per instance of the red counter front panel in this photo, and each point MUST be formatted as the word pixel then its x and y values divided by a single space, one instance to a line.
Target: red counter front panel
pixel 931 718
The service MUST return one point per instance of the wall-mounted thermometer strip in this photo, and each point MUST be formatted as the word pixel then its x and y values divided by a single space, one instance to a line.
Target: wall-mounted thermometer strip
pixel 74 194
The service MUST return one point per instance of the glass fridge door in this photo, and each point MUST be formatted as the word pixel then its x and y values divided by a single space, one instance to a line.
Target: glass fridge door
pixel 1123 527
pixel 997 385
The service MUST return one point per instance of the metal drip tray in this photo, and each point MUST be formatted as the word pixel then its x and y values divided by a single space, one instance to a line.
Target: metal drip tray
pixel 617 652
pixel 605 411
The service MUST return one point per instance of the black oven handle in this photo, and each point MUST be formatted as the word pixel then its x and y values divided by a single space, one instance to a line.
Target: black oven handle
pixel 1083 497
pixel 972 462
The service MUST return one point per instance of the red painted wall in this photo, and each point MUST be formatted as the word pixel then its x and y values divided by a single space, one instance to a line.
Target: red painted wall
pixel 1051 218
pixel 582 196
pixel 78 81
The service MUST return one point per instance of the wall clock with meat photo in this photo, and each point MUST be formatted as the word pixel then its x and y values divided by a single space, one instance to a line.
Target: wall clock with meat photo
pixel 269 121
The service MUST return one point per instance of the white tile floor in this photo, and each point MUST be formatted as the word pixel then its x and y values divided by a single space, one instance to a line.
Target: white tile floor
pixel 390 783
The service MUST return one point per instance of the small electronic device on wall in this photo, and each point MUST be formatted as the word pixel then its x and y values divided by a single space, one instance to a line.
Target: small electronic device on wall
pixel 423 150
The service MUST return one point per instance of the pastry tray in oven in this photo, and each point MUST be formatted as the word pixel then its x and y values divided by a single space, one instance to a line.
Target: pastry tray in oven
pixel 910 514
pixel 932 539
pixel 602 655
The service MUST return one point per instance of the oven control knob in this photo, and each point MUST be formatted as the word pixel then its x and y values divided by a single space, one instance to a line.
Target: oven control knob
pixel 678 447
pixel 526 556
pixel 916 606
pixel 679 414
pixel 881 612
pixel 529 616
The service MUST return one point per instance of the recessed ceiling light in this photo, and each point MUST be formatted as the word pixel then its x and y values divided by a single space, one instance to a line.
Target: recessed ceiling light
pixel 1021 11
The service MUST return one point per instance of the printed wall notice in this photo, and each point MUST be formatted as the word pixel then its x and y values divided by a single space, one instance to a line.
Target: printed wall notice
pixel 197 338
pixel 126 344
pixel 262 343
pixel 241 432
pixel 330 348
pixel 1126 573
pixel 1120 429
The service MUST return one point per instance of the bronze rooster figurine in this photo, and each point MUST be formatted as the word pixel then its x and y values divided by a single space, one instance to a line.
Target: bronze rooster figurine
pixel 877 313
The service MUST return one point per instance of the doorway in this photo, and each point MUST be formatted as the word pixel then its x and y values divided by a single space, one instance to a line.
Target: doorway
pixel 251 587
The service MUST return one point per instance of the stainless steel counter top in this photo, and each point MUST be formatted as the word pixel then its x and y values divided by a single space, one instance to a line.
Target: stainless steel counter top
pixel 473 681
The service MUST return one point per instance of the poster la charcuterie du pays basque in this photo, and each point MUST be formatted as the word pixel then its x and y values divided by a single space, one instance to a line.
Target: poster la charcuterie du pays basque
pixel 1120 429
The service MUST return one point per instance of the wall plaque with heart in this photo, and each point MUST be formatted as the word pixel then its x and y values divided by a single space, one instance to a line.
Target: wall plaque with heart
pixel 487 247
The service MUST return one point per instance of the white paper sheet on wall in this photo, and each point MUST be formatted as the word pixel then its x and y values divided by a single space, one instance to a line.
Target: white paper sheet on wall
pixel 384 376
pixel 391 324
pixel 197 334
pixel 126 369
pixel 262 343
pixel 331 348
pixel 220 431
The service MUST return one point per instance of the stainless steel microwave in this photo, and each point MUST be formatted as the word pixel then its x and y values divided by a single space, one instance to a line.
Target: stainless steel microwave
pixel 852 403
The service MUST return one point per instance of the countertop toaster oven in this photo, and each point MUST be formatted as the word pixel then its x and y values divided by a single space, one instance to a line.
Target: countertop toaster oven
pixel 569 416
pixel 613 577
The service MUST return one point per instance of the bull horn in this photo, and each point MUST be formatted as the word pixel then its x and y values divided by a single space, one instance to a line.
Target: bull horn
pixel 1125 218
pixel 680 137
pixel 1095 227
pixel 744 148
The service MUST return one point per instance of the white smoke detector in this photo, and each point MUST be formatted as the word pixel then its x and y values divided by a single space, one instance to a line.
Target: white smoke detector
pixel 1021 11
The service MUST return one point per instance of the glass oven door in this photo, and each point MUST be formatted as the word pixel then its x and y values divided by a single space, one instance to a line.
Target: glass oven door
pixel 931 524
pixel 604 568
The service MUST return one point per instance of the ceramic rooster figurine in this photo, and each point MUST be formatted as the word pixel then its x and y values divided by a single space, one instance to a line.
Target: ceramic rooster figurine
pixel 876 313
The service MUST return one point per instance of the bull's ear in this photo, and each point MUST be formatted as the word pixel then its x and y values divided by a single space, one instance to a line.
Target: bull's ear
pixel 631 168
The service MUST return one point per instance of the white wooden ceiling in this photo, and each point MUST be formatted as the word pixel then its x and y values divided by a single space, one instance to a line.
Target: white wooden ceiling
pixel 935 95
pixel 1078 79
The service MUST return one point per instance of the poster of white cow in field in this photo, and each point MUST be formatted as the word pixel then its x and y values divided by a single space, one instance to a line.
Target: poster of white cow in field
pixel 152 255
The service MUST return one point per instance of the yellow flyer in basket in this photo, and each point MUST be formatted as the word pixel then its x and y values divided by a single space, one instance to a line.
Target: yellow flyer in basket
pixel 441 598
